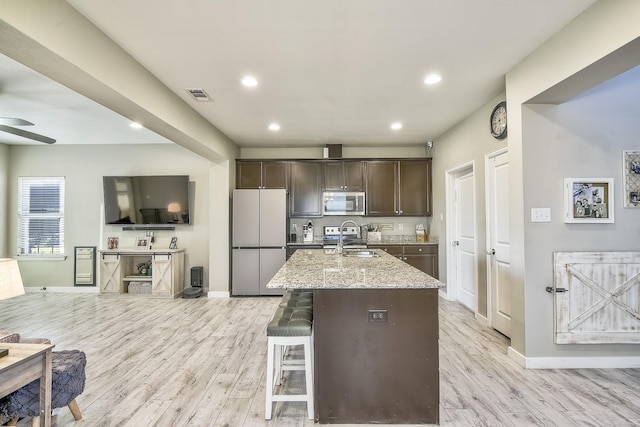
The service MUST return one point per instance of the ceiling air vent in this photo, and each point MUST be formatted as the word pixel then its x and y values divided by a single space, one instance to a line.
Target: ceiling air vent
pixel 199 95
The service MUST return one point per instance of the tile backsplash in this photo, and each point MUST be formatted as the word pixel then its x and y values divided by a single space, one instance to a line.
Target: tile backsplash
pixel 388 226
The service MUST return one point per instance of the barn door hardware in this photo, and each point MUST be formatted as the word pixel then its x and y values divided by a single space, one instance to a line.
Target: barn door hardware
pixel 551 290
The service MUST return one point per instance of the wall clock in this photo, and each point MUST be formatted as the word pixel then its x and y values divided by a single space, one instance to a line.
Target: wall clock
pixel 498 121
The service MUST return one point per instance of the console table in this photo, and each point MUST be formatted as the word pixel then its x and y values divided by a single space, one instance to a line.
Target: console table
pixel 118 268
pixel 24 364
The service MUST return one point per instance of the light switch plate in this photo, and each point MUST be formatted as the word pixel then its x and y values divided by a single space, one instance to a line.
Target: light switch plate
pixel 540 214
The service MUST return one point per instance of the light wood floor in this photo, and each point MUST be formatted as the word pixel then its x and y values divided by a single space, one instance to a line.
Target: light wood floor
pixel 201 362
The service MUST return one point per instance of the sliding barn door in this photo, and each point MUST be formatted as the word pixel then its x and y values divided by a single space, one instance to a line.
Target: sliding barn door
pixel 597 297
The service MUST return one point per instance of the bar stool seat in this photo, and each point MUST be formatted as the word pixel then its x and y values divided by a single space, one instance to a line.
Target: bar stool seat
pixel 289 326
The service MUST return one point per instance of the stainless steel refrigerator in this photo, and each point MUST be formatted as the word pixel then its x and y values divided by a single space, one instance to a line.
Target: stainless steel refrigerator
pixel 259 240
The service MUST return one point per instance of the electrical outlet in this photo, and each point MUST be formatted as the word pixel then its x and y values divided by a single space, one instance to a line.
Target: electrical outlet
pixel 378 316
pixel 387 226
pixel 400 227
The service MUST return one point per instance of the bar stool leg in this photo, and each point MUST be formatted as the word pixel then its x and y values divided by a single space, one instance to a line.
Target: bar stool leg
pixel 308 370
pixel 277 360
pixel 270 374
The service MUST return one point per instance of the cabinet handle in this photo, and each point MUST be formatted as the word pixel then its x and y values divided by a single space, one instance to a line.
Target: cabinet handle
pixel 420 250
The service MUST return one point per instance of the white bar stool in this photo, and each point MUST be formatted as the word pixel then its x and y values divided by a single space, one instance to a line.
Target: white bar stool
pixel 289 327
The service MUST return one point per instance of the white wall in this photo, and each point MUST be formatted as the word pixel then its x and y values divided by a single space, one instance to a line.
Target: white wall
pixel 539 137
pixel 546 143
pixel 467 142
pixel 581 138
pixel 4 219
pixel 83 168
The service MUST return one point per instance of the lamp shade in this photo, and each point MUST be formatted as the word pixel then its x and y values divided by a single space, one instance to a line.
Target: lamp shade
pixel 10 279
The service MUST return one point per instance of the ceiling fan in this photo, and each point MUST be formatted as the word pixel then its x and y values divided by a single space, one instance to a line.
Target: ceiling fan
pixel 7 123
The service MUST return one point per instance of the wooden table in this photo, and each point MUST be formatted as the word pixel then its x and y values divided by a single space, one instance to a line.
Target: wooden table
pixel 26 363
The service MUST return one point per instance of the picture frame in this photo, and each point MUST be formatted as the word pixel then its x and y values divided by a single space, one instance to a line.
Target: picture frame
pixel 631 179
pixel 143 243
pixel 113 243
pixel 174 243
pixel 588 200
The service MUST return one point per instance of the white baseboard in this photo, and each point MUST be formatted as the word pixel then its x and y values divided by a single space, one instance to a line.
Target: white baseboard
pixel 583 362
pixel 574 362
pixel 65 289
pixel 218 294
pixel 482 320
pixel 444 294
pixel 518 357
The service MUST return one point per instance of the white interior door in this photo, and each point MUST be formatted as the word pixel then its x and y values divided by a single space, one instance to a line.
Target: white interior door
pixel 498 258
pixel 462 272
pixel 465 239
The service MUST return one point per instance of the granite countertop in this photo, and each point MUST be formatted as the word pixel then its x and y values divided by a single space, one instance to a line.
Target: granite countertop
pixel 324 269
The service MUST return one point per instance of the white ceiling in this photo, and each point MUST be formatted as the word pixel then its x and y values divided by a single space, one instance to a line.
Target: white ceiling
pixel 330 71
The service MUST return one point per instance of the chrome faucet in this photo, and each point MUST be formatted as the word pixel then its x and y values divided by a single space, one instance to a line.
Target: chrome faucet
pixel 339 247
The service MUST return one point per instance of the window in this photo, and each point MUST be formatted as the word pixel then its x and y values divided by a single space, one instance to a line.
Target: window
pixel 41 216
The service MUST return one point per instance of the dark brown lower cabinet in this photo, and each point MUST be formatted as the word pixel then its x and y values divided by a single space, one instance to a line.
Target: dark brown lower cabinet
pixel 422 257
pixel 371 371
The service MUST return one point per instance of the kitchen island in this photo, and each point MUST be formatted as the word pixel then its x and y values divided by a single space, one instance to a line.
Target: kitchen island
pixel 375 336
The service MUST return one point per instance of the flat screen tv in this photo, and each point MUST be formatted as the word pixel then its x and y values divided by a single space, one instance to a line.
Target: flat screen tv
pixel 146 200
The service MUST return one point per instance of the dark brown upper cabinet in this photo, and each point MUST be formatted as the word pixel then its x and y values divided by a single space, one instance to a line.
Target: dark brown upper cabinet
pixel 399 187
pixel 343 175
pixel 382 188
pixel 261 174
pixel 305 189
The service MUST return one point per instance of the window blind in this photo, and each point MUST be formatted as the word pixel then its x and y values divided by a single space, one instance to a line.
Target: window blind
pixel 41 216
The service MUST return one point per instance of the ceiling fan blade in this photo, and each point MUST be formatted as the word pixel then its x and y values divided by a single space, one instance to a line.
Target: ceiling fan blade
pixel 13 121
pixel 30 135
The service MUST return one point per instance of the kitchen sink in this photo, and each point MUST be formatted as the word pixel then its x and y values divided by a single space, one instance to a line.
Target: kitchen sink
pixel 360 253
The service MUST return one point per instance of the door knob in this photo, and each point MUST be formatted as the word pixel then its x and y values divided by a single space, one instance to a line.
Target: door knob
pixel 492 251
pixel 456 243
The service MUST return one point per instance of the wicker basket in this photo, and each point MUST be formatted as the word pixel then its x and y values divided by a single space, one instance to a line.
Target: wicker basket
pixel 139 288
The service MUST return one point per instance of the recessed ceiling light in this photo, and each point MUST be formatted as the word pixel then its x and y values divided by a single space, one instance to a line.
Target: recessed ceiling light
pixel 432 79
pixel 274 127
pixel 396 126
pixel 135 125
pixel 249 81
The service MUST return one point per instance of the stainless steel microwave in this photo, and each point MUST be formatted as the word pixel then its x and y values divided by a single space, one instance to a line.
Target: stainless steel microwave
pixel 343 203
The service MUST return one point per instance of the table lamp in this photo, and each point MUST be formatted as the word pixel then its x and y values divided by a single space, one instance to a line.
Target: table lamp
pixel 10 284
